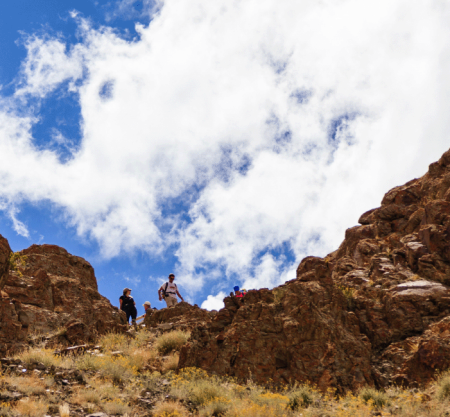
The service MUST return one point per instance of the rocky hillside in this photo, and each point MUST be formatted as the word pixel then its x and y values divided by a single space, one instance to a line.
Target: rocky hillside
pixel 376 311
pixel 47 291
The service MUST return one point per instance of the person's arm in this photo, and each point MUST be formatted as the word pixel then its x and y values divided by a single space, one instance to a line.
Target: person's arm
pixel 159 294
pixel 179 295
pixel 120 302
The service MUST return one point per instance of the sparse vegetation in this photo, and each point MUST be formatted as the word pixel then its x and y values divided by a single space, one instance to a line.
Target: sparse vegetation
pixel 16 262
pixel 171 341
pixel 130 377
pixel 278 294
pixel 169 409
pixel 28 407
pixel 349 293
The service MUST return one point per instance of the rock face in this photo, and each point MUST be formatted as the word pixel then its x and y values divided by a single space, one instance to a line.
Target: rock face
pixel 182 316
pixel 54 292
pixel 375 311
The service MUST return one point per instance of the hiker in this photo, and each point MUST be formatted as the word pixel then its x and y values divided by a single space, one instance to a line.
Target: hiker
pixel 128 305
pixel 147 309
pixel 169 292
pixel 237 293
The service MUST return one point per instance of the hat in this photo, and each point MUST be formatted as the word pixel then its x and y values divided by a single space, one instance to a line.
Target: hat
pixel 171 275
pixel 147 303
pixel 126 289
pixel 236 288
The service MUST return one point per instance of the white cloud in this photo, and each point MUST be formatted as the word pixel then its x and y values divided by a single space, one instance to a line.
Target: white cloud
pixel 272 125
pixel 214 302
pixel 133 280
pixel 132 9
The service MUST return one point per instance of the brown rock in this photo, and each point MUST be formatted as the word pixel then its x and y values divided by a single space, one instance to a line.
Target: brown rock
pixel 182 316
pixel 55 292
pixel 5 252
pixel 375 310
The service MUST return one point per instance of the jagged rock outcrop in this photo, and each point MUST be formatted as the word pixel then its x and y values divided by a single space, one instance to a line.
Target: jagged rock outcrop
pixel 55 292
pixel 182 316
pixel 376 311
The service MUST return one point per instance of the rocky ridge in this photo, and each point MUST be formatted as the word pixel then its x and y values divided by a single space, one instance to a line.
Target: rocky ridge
pixel 54 294
pixel 376 311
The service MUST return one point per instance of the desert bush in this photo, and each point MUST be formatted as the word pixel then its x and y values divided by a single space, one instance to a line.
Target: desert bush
pixel 139 357
pixel 378 398
pixel 17 261
pixel 443 386
pixel 5 410
pixel 251 409
pixel 349 293
pixel 106 390
pixel 27 385
pixel 35 355
pixel 31 408
pixel 88 363
pixel 114 341
pixel 116 369
pixel 301 397
pixel 116 407
pixel 171 364
pixel 170 409
pixel 84 396
pixel 142 338
pixel 216 407
pixel 170 341
pixel 198 391
pixel 273 402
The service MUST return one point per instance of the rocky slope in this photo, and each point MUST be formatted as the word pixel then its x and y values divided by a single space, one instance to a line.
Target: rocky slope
pixel 182 316
pixel 375 311
pixel 51 292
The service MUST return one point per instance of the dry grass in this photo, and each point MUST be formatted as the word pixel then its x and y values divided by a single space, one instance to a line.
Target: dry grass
pixel 443 387
pixel 31 408
pixel 116 381
pixel 44 356
pixel 84 396
pixel 5 410
pixel 64 410
pixel 171 363
pixel 196 386
pixel 169 409
pixel 31 385
pixel 171 341
pixel 116 407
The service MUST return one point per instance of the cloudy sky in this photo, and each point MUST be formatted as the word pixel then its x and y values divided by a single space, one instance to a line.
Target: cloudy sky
pixel 220 140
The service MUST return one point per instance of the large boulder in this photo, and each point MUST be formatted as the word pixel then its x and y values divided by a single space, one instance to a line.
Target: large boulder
pixel 182 316
pixel 57 293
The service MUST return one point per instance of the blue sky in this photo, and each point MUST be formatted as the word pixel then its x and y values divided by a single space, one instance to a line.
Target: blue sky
pixel 220 141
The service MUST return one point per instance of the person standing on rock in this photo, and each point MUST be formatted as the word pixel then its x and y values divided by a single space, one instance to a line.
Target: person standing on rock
pixel 128 305
pixel 169 292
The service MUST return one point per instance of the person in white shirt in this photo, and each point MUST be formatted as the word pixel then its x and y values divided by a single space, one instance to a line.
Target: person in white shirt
pixel 169 292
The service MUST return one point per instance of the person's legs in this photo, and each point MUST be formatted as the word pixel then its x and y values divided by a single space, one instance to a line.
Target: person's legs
pixel 133 316
pixel 170 301
pixel 128 313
